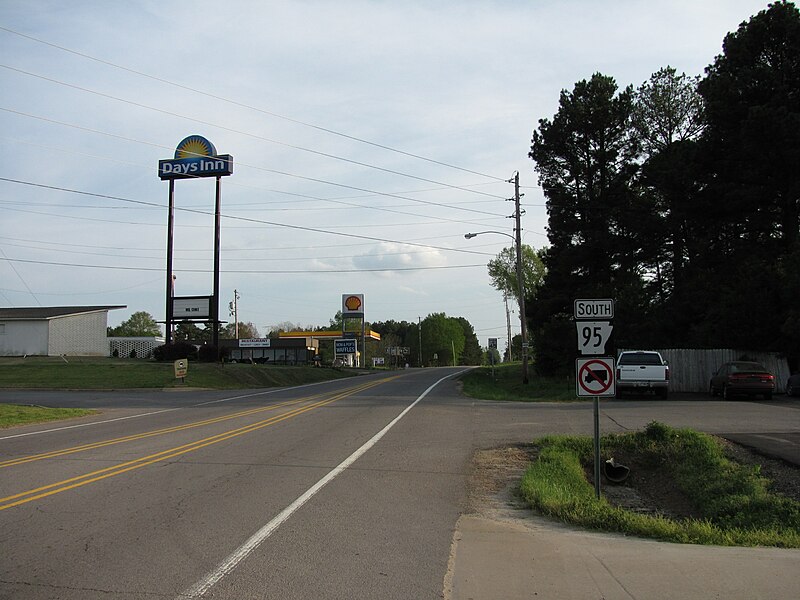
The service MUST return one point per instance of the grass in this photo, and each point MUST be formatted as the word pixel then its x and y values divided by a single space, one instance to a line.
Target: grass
pixel 12 415
pixel 736 506
pixel 506 384
pixel 115 373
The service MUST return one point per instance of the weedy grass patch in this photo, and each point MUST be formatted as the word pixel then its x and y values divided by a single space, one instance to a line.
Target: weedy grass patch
pixel 504 382
pixel 736 505
pixel 12 415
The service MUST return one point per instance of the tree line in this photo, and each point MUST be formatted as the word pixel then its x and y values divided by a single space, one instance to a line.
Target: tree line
pixel 680 199
pixel 444 340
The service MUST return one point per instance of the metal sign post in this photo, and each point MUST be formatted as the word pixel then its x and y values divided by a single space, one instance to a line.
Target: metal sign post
pixel 594 376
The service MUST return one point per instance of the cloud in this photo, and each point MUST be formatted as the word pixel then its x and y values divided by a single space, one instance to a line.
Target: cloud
pixel 391 256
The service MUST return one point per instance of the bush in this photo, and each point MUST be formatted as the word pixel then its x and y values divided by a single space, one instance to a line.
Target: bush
pixel 178 350
pixel 210 353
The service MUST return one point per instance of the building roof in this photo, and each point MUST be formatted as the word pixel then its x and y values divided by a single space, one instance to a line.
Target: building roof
pixel 39 313
pixel 325 334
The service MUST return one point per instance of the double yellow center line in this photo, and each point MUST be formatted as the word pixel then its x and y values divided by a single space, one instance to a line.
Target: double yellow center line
pixel 94 476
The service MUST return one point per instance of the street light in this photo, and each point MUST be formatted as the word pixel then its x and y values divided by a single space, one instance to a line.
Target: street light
pixel 520 299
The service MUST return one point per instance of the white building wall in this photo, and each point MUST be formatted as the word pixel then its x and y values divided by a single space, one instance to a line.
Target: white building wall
pixel 79 335
pixel 21 338
pixel 144 346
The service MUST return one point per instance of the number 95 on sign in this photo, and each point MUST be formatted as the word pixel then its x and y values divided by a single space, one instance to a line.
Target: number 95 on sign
pixel 592 336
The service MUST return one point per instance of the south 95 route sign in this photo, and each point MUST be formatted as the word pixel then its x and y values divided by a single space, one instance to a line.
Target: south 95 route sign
pixel 594 377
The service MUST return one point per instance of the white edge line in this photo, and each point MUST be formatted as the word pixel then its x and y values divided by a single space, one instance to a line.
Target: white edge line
pixel 157 412
pixel 213 577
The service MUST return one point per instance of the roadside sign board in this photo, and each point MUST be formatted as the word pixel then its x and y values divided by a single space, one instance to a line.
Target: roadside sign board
pixel 595 377
pixel 181 368
pixel 255 343
pixel 343 346
pixel 592 336
pixel 594 309
pixel 493 343
pixel 191 307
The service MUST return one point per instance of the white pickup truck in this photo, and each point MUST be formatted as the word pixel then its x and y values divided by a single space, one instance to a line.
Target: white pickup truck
pixel 640 371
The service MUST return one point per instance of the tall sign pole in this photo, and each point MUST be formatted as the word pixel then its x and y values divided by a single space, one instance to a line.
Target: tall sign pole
pixel 215 302
pixel 195 157
pixel 170 282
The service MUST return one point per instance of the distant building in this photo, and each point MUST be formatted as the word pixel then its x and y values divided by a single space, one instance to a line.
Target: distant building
pixel 55 331
pixel 295 351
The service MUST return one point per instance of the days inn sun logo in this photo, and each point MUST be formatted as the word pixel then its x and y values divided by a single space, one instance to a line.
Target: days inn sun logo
pixel 194 146
pixel 195 157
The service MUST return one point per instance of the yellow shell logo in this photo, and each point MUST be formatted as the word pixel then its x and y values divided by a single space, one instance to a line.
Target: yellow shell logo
pixel 352 303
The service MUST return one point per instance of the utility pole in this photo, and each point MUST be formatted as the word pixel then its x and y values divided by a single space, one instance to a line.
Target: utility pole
pixel 419 329
pixel 520 279
pixel 508 324
pixel 234 308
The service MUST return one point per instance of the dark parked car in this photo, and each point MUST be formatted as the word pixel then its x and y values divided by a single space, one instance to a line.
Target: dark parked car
pixel 793 385
pixel 742 377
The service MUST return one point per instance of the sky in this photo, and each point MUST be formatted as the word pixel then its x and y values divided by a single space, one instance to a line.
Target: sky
pixel 367 136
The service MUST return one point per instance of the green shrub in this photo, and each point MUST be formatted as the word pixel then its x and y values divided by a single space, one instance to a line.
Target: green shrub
pixel 175 351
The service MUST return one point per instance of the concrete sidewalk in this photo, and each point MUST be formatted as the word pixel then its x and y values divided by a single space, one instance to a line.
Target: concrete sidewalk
pixel 535 558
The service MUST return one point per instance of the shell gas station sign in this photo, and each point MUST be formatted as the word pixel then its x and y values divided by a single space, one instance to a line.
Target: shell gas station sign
pixel 352 305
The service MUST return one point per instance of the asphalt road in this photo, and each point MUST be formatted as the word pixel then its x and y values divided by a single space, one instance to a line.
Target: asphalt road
pixel 348 489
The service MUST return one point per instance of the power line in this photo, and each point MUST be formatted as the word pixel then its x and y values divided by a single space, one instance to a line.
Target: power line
pixel 251 271
pixel 236 259
pixel 242 105
pixel 239 132
pixel 25 283
pixel 285 174
pixel 237 218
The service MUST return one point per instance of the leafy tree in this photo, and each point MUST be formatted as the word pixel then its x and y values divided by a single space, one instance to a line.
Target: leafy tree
pixel 337 322
pixel 140 324
pixel 669 119
pixel 586 160
pixel 399 333
pixel 503 271
pixel 668 110
pixel 753 134
pixel 491 356
pixel 441 336
pixel 190 332
pixel 246 331
pixel 472 353
pixel 752 145
pixel 283 327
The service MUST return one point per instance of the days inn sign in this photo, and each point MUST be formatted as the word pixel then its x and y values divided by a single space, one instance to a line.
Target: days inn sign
pixel 195 156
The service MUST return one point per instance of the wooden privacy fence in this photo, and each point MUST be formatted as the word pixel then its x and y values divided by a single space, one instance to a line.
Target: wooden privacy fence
pixel 690 369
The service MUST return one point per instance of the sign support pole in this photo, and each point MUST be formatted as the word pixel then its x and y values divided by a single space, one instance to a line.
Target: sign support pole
pixel 170 284
pixel 597 373
pixel 215 305
pixel 597 447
